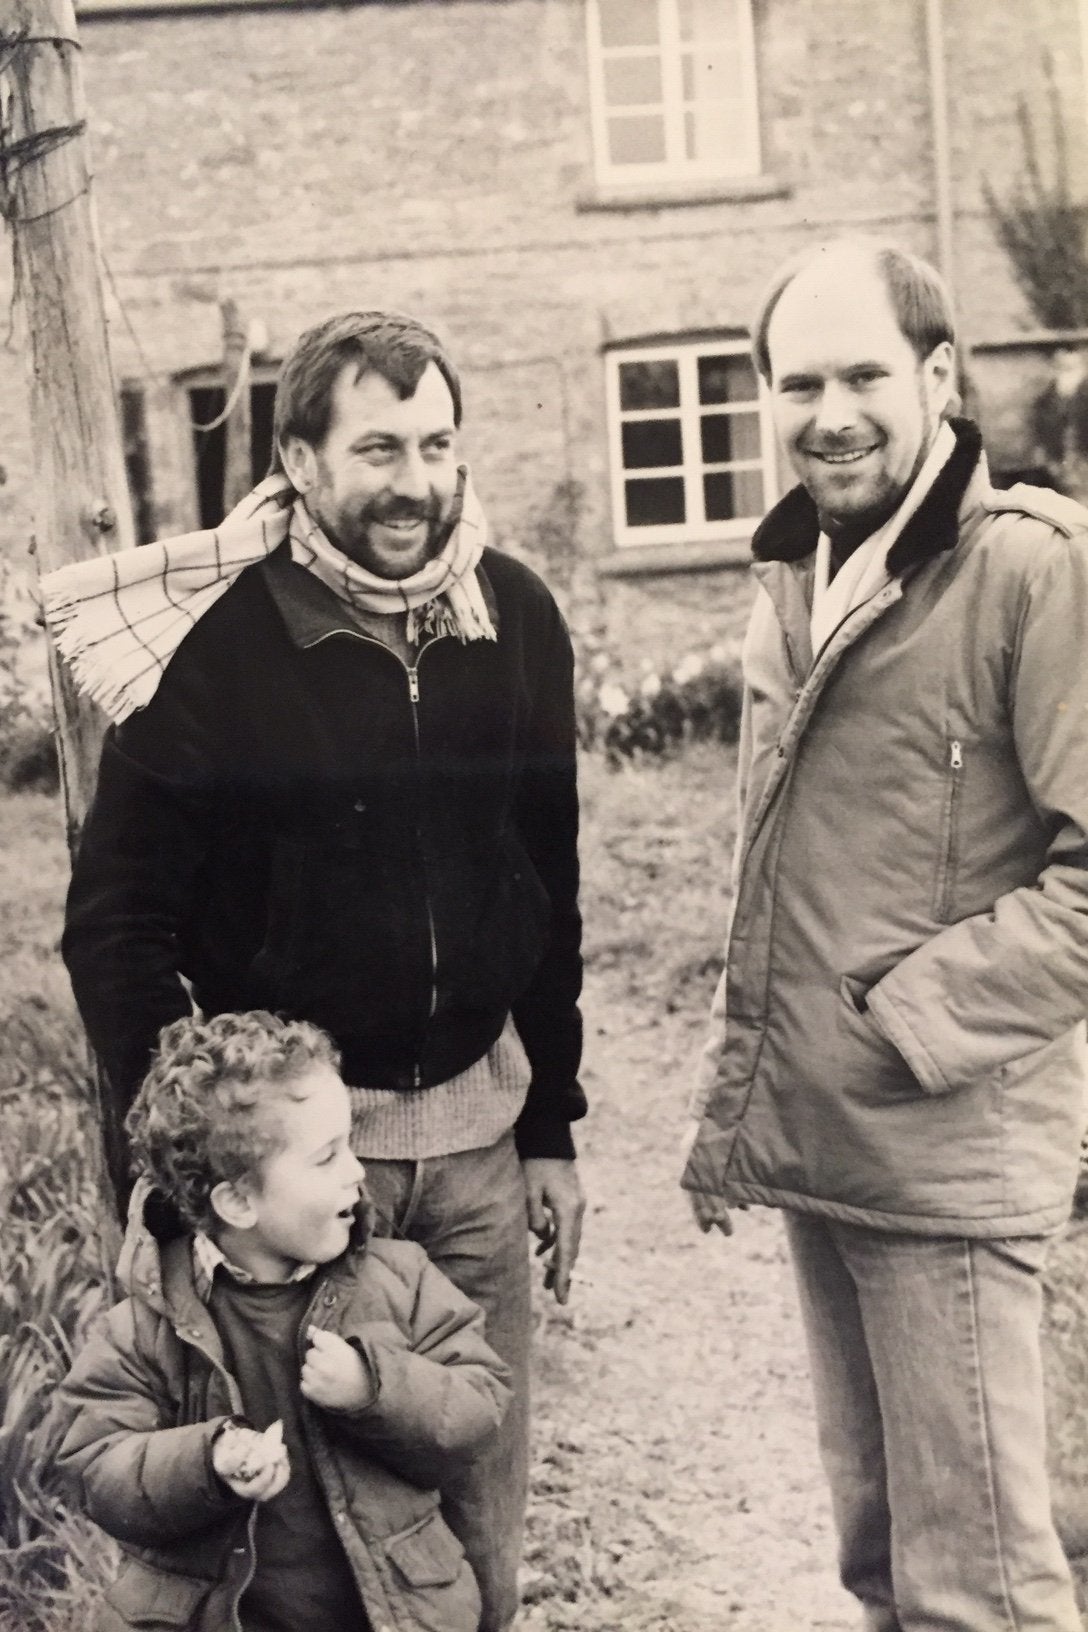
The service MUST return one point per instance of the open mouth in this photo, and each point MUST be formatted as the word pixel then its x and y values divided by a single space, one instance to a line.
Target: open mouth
pixel 848 456
pixel 401 524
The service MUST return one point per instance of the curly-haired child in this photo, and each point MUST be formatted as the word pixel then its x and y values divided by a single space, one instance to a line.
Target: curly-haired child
pixel 266 1422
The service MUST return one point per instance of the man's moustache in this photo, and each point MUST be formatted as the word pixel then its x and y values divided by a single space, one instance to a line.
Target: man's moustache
pixel 403 512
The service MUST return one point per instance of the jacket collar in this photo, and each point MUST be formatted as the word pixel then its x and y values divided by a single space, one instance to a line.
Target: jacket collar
pixel 789 531
pixel 309 608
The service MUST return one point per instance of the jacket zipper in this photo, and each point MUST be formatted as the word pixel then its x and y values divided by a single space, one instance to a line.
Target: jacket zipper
pixel 192 1337
pixel 413 695
pixel 412 672
pixel 955 766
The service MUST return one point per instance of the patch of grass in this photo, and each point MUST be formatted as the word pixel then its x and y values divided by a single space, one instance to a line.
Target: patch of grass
pixel 657 839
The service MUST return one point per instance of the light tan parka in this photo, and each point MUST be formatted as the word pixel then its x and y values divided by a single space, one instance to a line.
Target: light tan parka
pixel 899 1039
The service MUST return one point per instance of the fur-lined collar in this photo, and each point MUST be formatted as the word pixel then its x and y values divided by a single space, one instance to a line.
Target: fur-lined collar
pixel 789 531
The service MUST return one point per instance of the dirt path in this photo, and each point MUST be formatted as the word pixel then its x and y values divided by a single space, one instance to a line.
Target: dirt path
pixel 677 1486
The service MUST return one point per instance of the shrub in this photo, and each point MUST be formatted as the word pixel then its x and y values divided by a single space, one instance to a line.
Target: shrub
pixel 28 757
pixel 697 701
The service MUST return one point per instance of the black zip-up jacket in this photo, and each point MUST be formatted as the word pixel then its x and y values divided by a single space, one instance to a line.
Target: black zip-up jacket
pixel 298 821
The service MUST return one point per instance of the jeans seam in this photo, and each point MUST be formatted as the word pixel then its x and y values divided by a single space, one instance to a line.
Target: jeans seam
pixel 1010 1614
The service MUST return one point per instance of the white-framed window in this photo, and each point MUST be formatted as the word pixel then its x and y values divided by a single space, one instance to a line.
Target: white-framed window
pixel 673 90
pixel 692 448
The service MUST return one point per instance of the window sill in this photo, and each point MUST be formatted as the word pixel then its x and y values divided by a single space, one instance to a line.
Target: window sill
pixel 665 195
pixel 635 560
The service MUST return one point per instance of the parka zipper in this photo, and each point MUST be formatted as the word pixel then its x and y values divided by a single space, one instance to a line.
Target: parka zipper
pixel 411 671
pixel 191 1336
pixel 951 831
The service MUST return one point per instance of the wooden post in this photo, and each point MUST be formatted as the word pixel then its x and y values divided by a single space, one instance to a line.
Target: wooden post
pixel 81 501
pixel 237 446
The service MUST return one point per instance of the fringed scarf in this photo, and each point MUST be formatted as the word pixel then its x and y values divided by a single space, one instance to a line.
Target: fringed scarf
pixel 117 620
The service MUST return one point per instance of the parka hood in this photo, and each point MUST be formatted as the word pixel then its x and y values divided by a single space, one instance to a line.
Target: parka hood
pixel 790 530
pixel 154 1223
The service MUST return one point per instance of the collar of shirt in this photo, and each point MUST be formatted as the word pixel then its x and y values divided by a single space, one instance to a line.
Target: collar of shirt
pixel 207 1258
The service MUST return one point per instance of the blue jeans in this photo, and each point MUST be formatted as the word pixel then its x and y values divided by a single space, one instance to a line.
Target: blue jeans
pixel 468 1212
pixel 928 1379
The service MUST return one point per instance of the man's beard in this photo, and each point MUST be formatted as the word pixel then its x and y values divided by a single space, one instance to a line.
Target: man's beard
pixel 351 533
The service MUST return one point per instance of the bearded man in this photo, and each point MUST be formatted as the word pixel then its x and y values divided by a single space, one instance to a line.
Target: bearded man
pixel 340 785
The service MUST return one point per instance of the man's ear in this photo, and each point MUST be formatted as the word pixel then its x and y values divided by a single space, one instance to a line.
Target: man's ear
pixel 300 463
pixel 233 1205
pixel 940 374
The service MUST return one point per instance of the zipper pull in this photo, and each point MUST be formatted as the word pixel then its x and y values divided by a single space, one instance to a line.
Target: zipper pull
pixel 413 685
pixel 955 758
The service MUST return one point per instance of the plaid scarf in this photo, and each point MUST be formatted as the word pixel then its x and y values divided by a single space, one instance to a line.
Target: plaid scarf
pixel 117 620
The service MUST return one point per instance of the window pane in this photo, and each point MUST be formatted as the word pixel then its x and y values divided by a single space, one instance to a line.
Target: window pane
pixel 653 384
pixel 658 503
pixel 628 22
pixel 728 495
pixel 637 140
pixel 651 442
pixel 632 79
pixel 726 379
pixel 726 437
pixel 709 19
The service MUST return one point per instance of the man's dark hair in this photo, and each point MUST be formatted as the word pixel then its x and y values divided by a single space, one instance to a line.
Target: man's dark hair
pixel 392 345
pixel 919 297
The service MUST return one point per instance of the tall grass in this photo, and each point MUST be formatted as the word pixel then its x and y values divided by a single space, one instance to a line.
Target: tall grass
pixel 53 1277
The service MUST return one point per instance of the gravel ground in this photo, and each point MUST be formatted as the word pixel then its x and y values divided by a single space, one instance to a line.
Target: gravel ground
pixel 676 1486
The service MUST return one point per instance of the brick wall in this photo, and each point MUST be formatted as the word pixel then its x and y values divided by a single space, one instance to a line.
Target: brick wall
pixel 437 157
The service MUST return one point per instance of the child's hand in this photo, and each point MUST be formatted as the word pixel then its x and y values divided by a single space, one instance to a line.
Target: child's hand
pixel 333 1373
pixel 251 1464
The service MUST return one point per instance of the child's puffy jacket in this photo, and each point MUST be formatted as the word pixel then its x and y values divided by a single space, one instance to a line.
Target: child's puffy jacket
pixel 143 1402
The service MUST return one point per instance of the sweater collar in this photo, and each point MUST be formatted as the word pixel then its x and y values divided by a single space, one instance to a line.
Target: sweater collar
pixel 789 531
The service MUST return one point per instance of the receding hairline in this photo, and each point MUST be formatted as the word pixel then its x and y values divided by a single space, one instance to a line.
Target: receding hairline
pixel 910 285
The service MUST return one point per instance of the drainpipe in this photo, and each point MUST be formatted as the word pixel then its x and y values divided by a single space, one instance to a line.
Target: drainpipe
pixel 942 168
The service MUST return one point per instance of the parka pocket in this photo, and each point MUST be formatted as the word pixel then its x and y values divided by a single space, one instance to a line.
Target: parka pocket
pixel 428 1554
pixel 146 1597
pixel 991 840
pixel 433 1570
pixel 869 1061
pixel 948 854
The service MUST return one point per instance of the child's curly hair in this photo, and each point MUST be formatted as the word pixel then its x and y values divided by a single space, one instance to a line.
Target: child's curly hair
pixel 200 1116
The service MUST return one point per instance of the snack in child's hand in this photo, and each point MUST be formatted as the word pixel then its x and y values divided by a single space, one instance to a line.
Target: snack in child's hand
pixel 243 1453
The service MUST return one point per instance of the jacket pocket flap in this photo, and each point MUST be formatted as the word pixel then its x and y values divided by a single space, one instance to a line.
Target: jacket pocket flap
pixel 146 1597
pixel 427 1555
